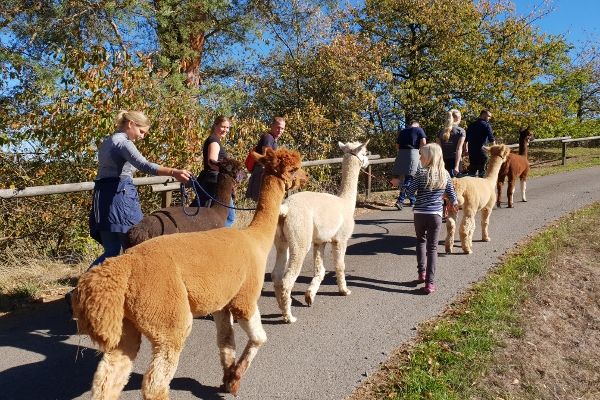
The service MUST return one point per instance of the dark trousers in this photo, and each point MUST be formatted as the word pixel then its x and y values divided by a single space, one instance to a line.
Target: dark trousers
pixel 427 229
pixel 477 166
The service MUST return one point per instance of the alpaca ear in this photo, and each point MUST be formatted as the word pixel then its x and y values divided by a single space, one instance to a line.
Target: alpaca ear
pixel 342 146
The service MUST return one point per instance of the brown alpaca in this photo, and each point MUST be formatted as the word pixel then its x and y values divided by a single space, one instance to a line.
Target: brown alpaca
pixel 159 286
pixel 170 220
pixel 475 194
pixel 515 166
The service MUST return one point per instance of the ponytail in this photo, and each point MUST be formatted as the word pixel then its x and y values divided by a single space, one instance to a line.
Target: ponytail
pixel 447 127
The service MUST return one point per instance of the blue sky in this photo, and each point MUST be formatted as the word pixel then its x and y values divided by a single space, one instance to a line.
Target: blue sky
pixel 577 20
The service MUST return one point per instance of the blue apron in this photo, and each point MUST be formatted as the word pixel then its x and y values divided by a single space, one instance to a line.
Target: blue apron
pixel 115 208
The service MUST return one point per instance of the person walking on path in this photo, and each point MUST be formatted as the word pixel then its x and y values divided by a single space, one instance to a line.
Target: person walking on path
pixel 267 140
pixel 212 153
pixel 407 159
pixel 116 206
pixel 479 134
pixel 431 182
pixel 452 139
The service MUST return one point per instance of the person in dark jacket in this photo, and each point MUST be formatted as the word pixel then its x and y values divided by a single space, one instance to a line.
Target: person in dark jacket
pixel 267 140
pixel 407 159
pixel 116 206
pixel 212 152
pixel 479 134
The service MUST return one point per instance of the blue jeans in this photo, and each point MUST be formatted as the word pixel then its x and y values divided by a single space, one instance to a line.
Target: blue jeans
pixel 113 244
pixel 230 215
pixel 407 181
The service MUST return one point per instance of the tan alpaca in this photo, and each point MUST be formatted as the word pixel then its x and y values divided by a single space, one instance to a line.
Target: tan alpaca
pixel 157 287
pixel 475 194
pixel 316 218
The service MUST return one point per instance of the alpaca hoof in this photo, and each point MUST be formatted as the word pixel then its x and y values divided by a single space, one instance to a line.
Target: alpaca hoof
pixel 449 250
pixel 467 251
pixel 345 292
pixel 510 206
pixel 498 205
pixel 233 386
pixel 487 239
pixel 308 297
pixel 289 319
pixel 524 200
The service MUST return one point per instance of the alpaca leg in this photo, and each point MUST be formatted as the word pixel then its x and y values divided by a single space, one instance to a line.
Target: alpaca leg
pixel 256 338
pixel 485 223
pixel 114 368
pixel 167 343
pixel 281 264
pixel 338 251
pixel 285 285
pixel 319 273
pixel 523 189
pixel 510 192
pixel 499 192
pixel 226 343
pixel 467 227
pixel 450 229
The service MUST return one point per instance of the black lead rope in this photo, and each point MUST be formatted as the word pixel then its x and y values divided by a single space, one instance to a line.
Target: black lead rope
pixel 195 184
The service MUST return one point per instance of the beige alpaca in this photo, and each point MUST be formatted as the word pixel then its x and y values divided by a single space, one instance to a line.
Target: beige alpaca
pixel 475 194
pixel 317 218
pixel 157 287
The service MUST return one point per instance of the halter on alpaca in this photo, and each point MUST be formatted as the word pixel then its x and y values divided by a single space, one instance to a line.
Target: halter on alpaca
pixel 159 286
pixel 317 218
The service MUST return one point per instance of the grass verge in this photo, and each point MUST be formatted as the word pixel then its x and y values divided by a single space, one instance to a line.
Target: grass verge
pixel 455 351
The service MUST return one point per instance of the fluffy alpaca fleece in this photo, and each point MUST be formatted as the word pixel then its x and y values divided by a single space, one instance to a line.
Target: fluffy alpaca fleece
pixel 316 218
pixel 170 220
pixel 475 194
pixel 156 288
pixel 515 166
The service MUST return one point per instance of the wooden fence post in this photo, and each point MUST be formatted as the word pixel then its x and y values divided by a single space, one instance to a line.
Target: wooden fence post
pixel 368 182
pixel 165 198
pixel 564 152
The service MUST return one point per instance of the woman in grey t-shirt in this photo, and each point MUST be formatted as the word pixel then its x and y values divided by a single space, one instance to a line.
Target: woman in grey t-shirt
pixel 452 140
pixel 116 206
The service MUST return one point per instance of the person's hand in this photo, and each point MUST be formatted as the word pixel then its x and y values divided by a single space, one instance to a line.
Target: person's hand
pixel 182 175
pixel 455 172
pixel 395 182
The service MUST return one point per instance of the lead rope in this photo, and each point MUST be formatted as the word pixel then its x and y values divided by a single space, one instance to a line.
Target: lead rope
pixel 195 184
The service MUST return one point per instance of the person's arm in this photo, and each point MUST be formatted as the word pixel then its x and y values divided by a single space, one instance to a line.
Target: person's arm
pixel 451 193
pixel 135 158
pixel 490 135
pixel 459 150
pixel 414 185
pixel 213 155
pixel 422 142
pixel 181 175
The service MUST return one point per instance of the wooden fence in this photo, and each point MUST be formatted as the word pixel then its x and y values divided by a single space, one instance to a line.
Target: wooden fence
pixel 165 185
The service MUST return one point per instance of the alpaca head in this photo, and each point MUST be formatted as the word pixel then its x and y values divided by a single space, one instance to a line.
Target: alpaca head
pixel 356 149
pixel 499 150
pixel 284 164
pixel 233 168
pixel 526 136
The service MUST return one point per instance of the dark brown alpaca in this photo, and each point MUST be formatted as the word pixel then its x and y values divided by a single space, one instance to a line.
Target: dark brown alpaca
pixel 515 166
pixel 170 220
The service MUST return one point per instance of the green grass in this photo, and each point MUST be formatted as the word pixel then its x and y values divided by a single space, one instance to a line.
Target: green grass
pixel 457 348
pixel 547 161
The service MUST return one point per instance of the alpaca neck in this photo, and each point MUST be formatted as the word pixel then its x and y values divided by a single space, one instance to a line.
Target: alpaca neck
pixel 350 172
pixel 224 189
pixel 523 146
pixel 267 208
pixel 493 169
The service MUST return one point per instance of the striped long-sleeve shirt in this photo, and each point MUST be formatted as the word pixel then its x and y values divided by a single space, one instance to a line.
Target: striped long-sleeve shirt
pixel 429 201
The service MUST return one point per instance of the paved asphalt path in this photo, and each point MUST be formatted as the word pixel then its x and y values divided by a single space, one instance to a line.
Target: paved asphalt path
pixel 334 345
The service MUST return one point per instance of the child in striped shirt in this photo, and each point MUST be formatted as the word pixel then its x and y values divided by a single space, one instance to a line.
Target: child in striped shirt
pixel 430 184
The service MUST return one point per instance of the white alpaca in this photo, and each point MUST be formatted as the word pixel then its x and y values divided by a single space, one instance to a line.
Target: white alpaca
pixel 317 218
